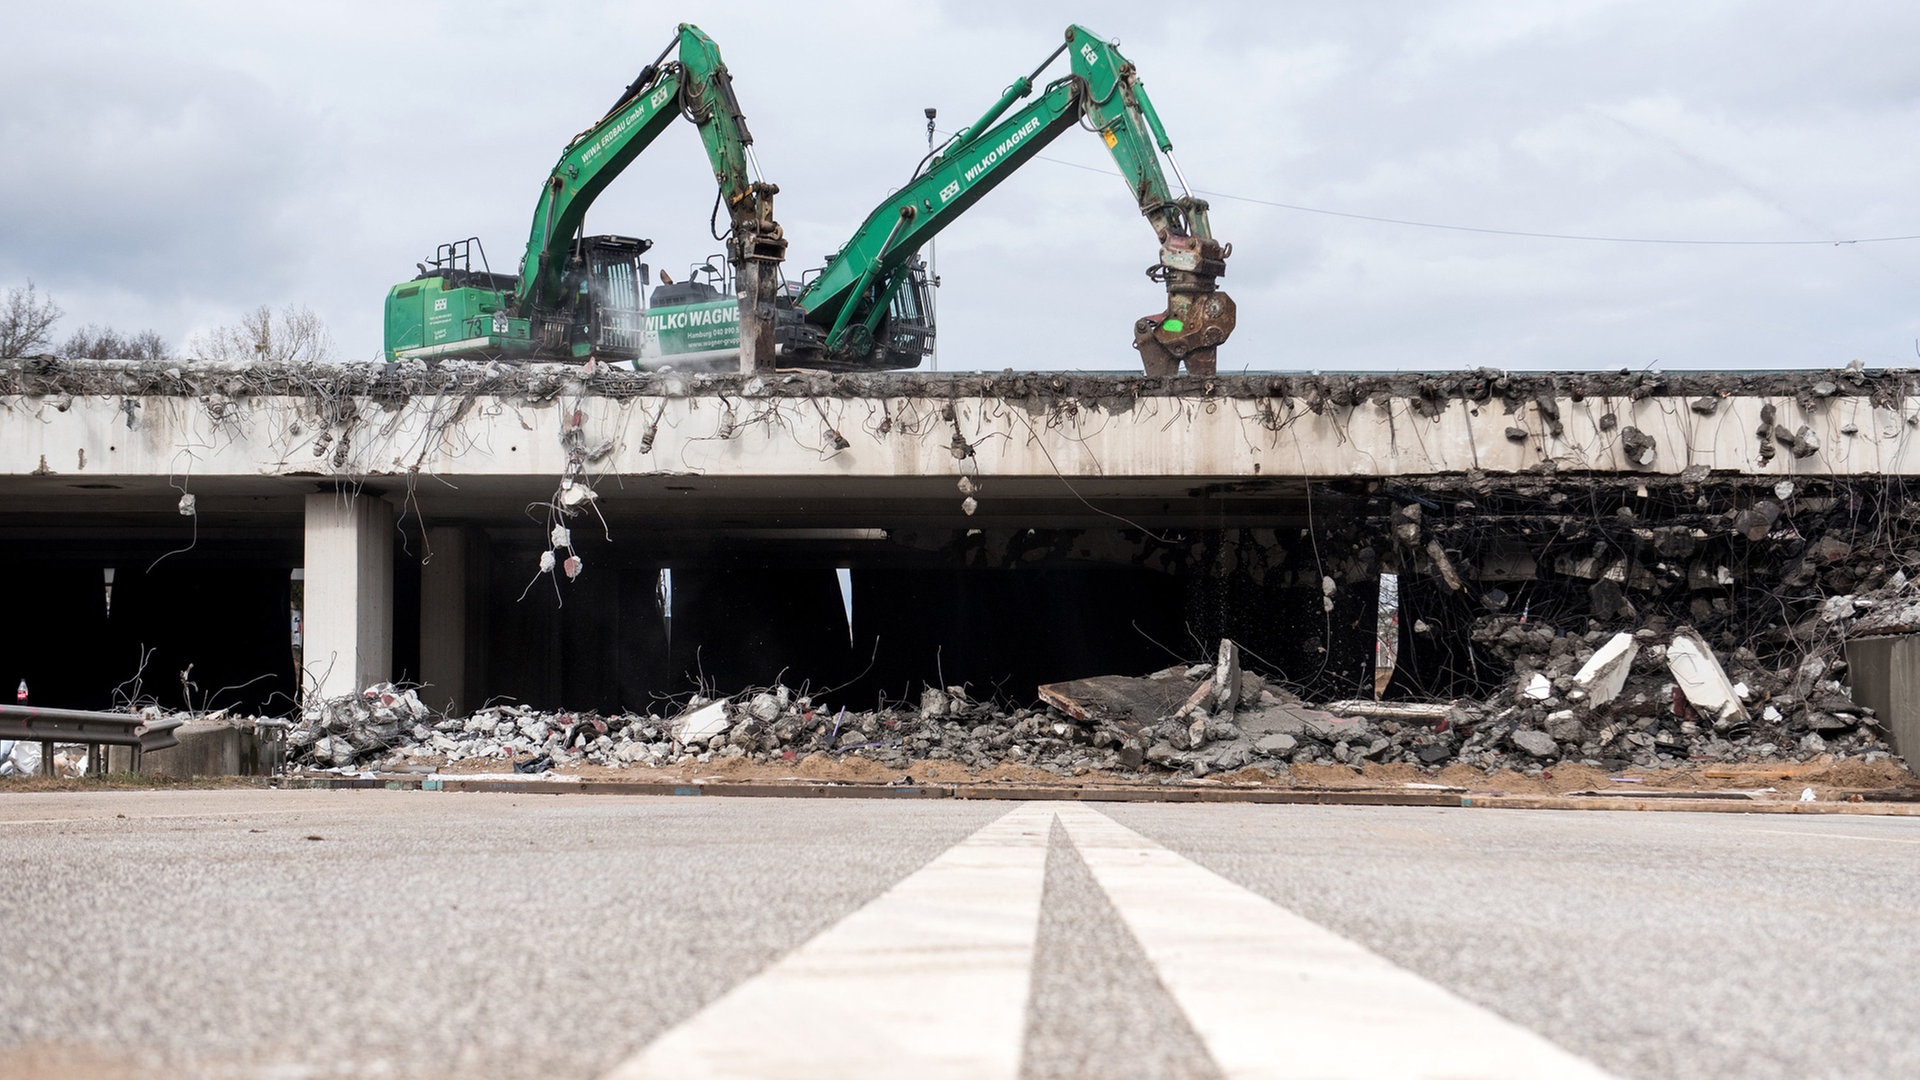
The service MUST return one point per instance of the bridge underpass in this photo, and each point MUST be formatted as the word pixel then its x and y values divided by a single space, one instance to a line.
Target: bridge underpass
pixel 996 530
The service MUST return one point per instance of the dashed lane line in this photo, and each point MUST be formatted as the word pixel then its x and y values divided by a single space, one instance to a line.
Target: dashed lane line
pixel 929 980
pixel 1838 836
pixel 1273 995
pixel 237 817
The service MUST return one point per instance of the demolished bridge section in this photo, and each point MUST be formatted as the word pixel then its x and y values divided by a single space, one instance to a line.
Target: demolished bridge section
pixel 393 424
pixel 1011 530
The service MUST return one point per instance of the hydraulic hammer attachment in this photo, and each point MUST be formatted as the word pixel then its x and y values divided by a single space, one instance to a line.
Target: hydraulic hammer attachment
pixel 755 249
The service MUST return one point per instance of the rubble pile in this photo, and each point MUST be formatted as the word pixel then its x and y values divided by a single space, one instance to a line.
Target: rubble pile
pixel 1656 698
pixel 1643 699
pixel 1617 621
pixel 341 732
pixel 1779 569
pixel 388 727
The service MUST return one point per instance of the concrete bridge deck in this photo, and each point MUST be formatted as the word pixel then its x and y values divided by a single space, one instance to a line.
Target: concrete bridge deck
pixel 312 467
pixel 488 429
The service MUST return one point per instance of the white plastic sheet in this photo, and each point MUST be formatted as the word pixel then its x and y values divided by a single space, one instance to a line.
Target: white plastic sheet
pixel 19 758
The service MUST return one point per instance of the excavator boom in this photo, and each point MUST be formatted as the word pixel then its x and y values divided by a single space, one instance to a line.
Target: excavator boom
pixel 582 296
pixel 698 86
pixel 851 297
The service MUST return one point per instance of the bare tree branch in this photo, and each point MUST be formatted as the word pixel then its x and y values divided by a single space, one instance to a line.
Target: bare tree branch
pixel 105 343
pixel 294 335
pixel 26 321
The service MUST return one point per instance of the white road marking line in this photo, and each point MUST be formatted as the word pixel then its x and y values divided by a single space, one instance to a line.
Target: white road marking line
pixel 928 980
pixel 1837 835
pixel 1274 995
pixel 97 819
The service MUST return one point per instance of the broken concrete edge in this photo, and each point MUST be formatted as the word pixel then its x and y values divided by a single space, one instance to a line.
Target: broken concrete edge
pixel 1064 793
pixel 1053 696
pixel 40 376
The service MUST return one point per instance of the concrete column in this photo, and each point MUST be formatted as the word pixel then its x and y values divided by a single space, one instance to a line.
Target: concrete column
pixel 349 592
pixel 1884 673
pixel 450 627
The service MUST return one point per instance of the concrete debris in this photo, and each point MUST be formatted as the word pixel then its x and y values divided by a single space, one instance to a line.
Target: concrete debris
pixel 1226 677
pixel 1443 565
pixel 1276 745
pixel 1701 678
pixel 704 723
pixel 1603 676
pixel 1410 711
pixel 1638 447
pixel 1169 723
pixel 1538 743
pixel 1626 621
pixel 1128 703
pixel 1803 443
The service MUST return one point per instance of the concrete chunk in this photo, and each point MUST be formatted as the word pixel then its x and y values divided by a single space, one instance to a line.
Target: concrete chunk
pixel 1334 729
pixel 1443 565
pixel 1276 744
pixel 1701 678
pixel 1122 700
pixel 1406 711
pixel 704 722
pixel 1539 687
pixel 1538 743
pixel 934 702
pixel 1605 674
pixel 1196 701
pixel 1226 678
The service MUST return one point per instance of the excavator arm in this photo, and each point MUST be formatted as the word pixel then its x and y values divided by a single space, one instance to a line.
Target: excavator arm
pixel 851 297
pixel 698 86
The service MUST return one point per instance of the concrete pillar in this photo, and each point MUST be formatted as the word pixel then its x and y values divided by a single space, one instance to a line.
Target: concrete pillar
pixel 349 592
pixel 1884 673
pixel 452 611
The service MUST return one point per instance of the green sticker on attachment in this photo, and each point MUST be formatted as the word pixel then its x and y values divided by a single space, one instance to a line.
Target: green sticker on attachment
pixel 1173 326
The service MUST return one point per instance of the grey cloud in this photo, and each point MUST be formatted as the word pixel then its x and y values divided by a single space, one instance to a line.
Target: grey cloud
pixel 199 163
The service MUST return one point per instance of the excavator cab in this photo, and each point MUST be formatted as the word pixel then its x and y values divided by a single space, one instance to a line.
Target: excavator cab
pixel 605 310
pixel 907 336
pixel 903 339
pixel 610 318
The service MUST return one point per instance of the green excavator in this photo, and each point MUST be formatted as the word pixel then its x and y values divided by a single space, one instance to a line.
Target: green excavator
pixel 868 308
pixel 584 297
pixel 853 303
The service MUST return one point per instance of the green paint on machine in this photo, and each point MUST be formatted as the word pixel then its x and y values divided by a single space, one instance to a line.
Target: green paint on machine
pixel 696 327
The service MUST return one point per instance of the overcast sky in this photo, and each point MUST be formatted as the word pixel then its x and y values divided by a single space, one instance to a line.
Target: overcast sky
pixel 171 165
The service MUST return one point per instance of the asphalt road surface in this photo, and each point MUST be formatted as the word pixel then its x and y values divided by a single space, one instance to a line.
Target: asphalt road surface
pixel 311 934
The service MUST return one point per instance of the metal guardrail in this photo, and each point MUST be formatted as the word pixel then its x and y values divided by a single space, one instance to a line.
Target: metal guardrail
pixel 28 723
